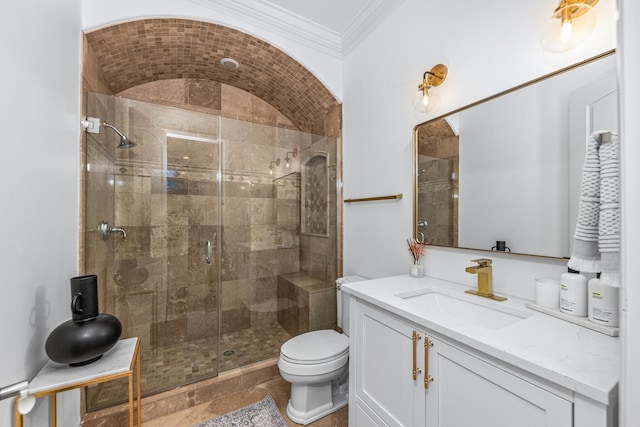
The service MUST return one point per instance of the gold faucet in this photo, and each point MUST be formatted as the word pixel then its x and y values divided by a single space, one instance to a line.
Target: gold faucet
pixel 485 279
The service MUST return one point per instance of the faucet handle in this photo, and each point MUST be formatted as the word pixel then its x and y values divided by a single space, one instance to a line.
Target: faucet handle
pixel 483 262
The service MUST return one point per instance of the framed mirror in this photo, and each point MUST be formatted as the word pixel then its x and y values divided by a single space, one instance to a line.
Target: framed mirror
pixel 504 173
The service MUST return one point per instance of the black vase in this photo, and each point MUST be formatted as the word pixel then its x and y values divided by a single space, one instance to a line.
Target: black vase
pixel 88 335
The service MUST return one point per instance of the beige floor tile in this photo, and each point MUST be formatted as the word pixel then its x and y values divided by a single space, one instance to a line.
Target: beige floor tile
pixel 278 389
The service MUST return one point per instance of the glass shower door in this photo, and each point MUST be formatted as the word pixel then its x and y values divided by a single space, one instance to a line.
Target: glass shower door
pixel 162 281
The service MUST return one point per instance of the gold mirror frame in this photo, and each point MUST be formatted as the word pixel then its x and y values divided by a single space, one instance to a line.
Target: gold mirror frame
pixel 416 233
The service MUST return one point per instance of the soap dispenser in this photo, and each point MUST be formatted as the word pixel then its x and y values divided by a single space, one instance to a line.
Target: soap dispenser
pixel 573 294
pixel 603 303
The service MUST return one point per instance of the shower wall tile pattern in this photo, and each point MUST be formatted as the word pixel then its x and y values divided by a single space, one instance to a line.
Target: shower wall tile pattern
pixel 318 251
pixel 315 199
pixel 99 198
pixel 209 97
pixel 288 211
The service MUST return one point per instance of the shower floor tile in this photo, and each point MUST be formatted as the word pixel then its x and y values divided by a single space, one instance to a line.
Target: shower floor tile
pixel 171 366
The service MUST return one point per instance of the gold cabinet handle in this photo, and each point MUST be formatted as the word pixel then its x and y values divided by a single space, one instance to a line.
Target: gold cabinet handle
pixel 415 338
pixel 427 378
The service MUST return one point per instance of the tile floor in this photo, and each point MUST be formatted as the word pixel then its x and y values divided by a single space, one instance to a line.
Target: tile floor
pixel 184 363
pixel 278 389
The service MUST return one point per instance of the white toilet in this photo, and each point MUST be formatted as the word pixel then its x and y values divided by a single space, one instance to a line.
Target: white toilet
pixel 316 364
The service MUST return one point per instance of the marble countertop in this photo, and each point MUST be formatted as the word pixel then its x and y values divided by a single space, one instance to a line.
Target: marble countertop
pixel 55 376
pixel 581 360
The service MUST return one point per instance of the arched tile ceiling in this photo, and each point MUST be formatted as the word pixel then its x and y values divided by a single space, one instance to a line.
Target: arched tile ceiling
pixel 147 50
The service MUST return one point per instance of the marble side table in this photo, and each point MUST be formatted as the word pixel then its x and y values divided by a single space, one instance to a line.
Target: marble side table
pixel 119 362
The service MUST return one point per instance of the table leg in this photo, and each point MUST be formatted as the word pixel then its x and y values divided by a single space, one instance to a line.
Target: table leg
pixel 138 389
pixel 54 410
pixel 130 376
pixel 18 415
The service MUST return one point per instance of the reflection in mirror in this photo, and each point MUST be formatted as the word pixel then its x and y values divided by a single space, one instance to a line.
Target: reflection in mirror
pixel 505 172
pixel 437 182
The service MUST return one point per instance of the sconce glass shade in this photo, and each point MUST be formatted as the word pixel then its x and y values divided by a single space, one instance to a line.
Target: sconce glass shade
pixel 273 164
pixel 424 102
pixel 433 102
pixel 287 159
pixel 570 25
pixel 425 96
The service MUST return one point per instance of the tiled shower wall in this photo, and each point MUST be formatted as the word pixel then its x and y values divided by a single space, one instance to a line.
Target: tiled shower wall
pixel 143 279
pixel 158 284
pixel 318 256
pixel 99 197
pixel 318 249
pixel 162 289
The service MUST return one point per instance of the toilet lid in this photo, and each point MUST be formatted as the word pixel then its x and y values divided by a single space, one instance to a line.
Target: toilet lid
pixel 316 347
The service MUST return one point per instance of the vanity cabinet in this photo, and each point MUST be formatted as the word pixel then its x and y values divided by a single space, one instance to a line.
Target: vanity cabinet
pixel 403 376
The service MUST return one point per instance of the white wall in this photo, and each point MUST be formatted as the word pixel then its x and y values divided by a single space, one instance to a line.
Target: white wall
pixel 488 47
pixel 40 81
pixel 630 158
pixel 326 67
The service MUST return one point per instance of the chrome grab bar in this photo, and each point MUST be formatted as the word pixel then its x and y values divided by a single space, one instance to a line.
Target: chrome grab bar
pixel 13 389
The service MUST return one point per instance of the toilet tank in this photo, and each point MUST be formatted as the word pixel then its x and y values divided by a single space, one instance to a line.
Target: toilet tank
pixel 343 301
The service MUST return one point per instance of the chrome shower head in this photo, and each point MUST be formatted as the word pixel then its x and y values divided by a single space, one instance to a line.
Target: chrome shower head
pixel 92 125
pixel 124 141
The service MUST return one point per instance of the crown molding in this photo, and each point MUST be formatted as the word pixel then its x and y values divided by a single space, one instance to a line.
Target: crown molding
pixel 283 22
pixel 280 21
pixel 366 21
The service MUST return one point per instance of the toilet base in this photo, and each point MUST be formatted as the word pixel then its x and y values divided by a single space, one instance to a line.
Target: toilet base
pixel 339 399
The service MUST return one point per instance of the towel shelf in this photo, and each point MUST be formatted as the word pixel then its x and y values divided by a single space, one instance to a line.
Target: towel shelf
pixel 373 199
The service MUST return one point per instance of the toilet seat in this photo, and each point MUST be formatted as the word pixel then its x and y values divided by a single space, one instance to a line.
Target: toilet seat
pixel 314 353
pixel 316 347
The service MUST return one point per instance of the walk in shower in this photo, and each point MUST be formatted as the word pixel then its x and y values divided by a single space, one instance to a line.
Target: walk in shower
pixel 228 251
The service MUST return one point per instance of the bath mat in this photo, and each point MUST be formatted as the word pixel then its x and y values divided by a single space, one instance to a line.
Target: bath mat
pixel 263 413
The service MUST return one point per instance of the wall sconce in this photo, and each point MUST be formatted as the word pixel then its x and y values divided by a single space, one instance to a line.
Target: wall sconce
pixel 273 164
pixel 432 78
pixel 570 25
pixel 287 160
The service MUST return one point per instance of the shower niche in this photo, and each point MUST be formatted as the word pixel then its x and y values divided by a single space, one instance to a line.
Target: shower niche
pixel 315 195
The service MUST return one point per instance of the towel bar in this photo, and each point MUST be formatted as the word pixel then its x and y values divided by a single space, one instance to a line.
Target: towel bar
pixel 372 199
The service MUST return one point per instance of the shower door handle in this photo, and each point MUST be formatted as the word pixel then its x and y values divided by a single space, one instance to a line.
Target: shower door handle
pixel 207 251
pixel 207 248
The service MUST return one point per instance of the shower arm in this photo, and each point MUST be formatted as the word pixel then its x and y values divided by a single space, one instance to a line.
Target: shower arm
pixel 93 125
pixel 105 124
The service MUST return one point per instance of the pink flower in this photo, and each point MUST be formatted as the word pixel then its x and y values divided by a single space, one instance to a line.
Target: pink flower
pixel 417 249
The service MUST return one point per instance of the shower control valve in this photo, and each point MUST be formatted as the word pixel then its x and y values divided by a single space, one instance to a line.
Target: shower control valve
pixel 105 230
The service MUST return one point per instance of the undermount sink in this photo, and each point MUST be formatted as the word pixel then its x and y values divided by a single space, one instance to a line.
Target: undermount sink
pixel 470 309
